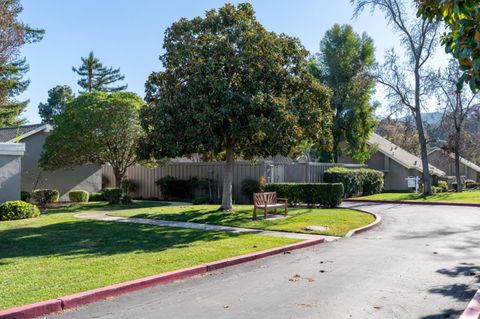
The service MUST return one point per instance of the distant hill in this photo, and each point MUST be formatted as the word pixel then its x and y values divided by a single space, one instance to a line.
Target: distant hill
pixel 430 118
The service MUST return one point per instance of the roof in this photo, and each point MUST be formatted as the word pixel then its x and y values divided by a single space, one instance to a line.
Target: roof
pixel 400 155
pixel 464 161
pixel 11 134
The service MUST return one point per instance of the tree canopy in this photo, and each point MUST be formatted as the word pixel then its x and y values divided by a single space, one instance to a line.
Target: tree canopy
pixel 58 97
pixel 462 39
pixel 96 127
pixel 231 88
pixel 343 64
pixel 94 76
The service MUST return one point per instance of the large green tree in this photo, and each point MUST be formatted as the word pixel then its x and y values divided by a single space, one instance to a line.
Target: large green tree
pixel 94 76
pixel 58 97
pixel 343 64
pixel 231 88
pixel 96 127
pixel 462 38
pixel 13 35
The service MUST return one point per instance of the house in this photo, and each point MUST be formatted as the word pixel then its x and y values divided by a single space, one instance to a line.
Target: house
pixel 396 163
pixel 86 177
pixel 446 161
pixel 10 176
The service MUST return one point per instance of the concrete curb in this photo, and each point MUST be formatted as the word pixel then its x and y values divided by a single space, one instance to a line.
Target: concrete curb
pixel 409 202
pixel 375 223
pixel 473 309
pixel 71 301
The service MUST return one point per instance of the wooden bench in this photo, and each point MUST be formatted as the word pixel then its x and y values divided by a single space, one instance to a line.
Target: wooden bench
pixel 267 201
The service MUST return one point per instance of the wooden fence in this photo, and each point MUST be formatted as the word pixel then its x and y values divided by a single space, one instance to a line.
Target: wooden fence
pixel 212 172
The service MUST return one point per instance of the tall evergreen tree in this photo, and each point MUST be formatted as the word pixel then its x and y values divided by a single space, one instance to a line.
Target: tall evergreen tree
pixel 343 64
pixel 13 35
pixel 58 97
pixel 96 77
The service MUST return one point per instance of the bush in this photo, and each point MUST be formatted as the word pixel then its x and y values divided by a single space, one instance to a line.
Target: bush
pixel 17 209
pixel 96 197
pixel 78 195
pixel 45 196
pixel 25 196
pixel 355 181
pixel 173 188
pixel 470 184
pixel 436 190
pixel 250 186
pixel 112 195
pixel 323 194
pixel 204 199
pixel 443 185
pixel 128 186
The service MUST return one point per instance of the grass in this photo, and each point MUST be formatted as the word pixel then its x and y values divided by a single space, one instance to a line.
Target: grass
pixel 339 221
pixel 471 197
pixel 56 254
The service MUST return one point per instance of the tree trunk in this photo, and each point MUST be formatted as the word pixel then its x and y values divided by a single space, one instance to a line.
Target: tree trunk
pixel 118 176
pixel 228 180
pixel 427 183
pixel 457 162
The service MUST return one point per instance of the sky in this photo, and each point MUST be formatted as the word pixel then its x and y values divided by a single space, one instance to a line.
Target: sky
pixel 129 34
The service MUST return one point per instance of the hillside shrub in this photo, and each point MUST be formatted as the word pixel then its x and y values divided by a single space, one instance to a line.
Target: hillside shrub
pixel 112 195
pixel 78 195
pixel 45 196
pixel 323 194
pixel 17 209
pixel 355 181
pixel 176 189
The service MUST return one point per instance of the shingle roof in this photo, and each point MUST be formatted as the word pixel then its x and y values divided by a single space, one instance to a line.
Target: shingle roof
pixel 464 161
pixel 11 133
pixel 400 155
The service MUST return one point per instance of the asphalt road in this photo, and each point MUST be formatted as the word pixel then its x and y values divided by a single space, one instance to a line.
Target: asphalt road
pixel 422 262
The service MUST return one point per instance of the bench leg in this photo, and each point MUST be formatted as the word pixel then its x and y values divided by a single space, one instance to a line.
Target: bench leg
pixel 254 212
pixel 265 213
pixel 286 209
pixel 275 211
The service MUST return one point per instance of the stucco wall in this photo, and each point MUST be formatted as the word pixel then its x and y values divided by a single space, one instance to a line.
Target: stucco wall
pixel 447 164
pixel 10 166
pixel 87 177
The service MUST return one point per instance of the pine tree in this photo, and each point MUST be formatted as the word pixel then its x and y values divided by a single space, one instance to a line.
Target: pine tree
pixel 58 97
pixel 96 77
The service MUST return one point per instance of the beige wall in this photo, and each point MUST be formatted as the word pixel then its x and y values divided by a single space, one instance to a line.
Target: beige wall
pixel 87 177
pixel 10 165
pixel 447 164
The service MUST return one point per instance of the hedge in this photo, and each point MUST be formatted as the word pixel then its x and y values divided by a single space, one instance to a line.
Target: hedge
pixel 355 181
pixel 248 187
pixel 78 195
pixel 45 196
pixel 323 194
pixel 173 188
pixel 112 195
pixel 17 209
pixel 96 197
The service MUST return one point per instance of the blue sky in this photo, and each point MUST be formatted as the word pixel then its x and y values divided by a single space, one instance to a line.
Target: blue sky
pixel 129 34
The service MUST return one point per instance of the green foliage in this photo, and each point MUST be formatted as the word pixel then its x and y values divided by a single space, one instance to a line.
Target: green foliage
pixel 471 184
pixel 25 196
pixel 58 97
pixel 327 195
pixel 112 195
pixel 343 64
pixel 17 209
pixel 462 18
pixel 250 186
pixel 364 180
pixel 204 199
pixel 177 189
pixel 443 185
pixel 96 197
pixel 78 195
pixel 96 77
pixel 128 186
pixel 96 128
pixel 45 196
pixel 231 88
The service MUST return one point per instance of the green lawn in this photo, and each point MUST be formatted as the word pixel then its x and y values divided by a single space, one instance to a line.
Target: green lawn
pixel 56 254
pixel 472 197
pixel 339 221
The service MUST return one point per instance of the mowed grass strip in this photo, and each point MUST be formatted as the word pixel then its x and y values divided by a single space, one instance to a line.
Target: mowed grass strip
pixel 338 221
pixel 468 197
pixel 57 254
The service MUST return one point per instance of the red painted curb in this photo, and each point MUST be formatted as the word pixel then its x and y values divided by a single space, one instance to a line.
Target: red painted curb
pixel 410 202
pixel 375 223
pixel 473 309
pixel 33 310
pixel 88 296
pixel 265 253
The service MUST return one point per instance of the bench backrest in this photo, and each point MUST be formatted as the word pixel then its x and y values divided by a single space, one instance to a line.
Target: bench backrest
pixel 262 199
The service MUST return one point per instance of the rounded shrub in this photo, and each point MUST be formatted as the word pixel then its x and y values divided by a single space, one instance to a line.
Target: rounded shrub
pixel 96 197
pixel 443 185
pixel 112 195
pixel 356 181
pixel 248 187
pixel 323 194
pixel 25 196
pixel 128 186
pixel 45 196
pixel 78 195
pixel 17 209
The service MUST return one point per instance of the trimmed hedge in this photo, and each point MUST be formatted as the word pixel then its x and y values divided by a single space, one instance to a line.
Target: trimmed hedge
pixel 355 181
pixel 96 197
pixel 323 194
pixel 45 196
pixel 17 209
pixel 174 188
pixel 78 195
pixel 112 195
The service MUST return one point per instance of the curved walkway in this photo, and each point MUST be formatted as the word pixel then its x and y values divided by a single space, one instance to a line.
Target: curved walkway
pixel 103 216
pixel 422 262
